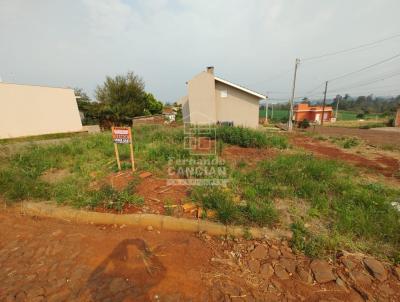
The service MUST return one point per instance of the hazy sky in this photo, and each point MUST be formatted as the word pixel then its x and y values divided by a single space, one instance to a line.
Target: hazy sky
pixel 252 43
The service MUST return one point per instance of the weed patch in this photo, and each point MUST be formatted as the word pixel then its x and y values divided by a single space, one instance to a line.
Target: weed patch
pixel 356 210
pixel 246 137
pixel 346 142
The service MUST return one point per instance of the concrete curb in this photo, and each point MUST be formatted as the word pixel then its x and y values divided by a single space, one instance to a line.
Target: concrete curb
pixel 44 209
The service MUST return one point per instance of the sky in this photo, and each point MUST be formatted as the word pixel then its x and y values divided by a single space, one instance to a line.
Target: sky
pixel 252 43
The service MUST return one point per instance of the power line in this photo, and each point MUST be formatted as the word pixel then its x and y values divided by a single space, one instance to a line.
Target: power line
pixel 312 90
pixel 351 49
pixel 370 81
pixel 365 68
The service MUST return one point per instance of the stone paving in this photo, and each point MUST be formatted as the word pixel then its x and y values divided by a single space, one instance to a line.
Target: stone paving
pixel 50 260
pixel 56 260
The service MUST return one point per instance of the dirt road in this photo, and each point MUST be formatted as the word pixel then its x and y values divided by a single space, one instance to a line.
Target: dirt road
pixel 381 164
pixel 373 137
pixel 55 260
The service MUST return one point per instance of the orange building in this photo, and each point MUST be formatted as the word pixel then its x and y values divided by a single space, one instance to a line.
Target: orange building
pixel 397 118
pixel 311 113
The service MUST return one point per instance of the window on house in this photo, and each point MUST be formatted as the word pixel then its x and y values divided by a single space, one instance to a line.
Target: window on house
pixel 224 93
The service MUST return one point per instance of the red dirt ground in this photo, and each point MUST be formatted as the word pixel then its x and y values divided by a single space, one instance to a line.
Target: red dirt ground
pixel 382 164
pixel 157 194
pixel 236 154
pixel 44 259
pixel 371 136
pixel 59 261
pixel 155 191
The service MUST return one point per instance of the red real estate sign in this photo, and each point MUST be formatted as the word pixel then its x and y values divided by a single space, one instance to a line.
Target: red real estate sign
pixel 121 135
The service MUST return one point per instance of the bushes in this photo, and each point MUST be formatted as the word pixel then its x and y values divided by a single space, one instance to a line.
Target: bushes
pixel 217 199
pixel 230 210
pixel 313 246
pixel 346 142
pixel 116 200
pixel 246 137
pixel 304 124
pixel 263 213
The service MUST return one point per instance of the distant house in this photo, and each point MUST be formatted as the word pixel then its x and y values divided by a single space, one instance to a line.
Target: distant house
pixel 35 110
pixel 311 113
pixel 169 114
pixel 212 100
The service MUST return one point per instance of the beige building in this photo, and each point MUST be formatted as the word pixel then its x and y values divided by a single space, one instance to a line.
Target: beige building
pixel 212 100
pixel 35 110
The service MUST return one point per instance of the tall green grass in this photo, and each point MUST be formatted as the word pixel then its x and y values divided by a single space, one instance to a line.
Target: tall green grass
pixel 229 210
pixel 353 211
pixel 246 137
pixel 88 159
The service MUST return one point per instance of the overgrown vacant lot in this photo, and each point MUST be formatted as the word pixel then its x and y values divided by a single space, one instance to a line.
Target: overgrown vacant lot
pixel 329 205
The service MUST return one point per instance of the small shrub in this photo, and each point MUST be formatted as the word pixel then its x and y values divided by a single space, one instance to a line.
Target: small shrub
pixel 390 122
pixel 246 234
pixel 351 142
pixel 346 142
pixel 305 242
pixel 321 138
pixel 217 199
pixel 360 115
pixel 113 199
pixel 304 124
pixel 262 213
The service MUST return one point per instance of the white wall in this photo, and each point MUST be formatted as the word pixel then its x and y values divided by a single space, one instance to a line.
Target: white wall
pixel 201 93
pixel 238 106
pixel 35 110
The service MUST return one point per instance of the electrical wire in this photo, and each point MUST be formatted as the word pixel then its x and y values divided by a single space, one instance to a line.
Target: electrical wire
pixel 359 84
pixel 365 68
pixel 351 49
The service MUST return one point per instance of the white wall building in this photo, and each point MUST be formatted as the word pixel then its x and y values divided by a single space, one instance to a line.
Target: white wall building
pixel 213 100
pixel 27 110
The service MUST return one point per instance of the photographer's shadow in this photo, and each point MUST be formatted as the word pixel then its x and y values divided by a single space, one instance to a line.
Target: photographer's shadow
pixel 127 274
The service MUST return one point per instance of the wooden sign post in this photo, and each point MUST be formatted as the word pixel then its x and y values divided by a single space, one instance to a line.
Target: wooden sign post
pixel 122 135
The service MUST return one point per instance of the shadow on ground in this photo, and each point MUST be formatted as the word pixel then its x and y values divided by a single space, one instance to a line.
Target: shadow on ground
pixel 127 274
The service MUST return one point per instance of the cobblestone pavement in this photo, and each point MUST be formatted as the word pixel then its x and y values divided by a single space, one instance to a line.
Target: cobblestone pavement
pixel 56 260
pixel 52 260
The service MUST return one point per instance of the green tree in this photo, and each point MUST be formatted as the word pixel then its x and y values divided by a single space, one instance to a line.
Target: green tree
pixel 89 108
pixel 122 98
pixel 152 106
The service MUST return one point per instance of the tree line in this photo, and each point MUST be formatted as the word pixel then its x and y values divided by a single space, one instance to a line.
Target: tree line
pixel 360 104
pixel 367 104
pixel 118 100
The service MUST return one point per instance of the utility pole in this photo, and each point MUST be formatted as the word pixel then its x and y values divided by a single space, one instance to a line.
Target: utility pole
pixel 290 122
pixel 338 98
pixel 266 111
pixel 272 111
pixel 323 106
